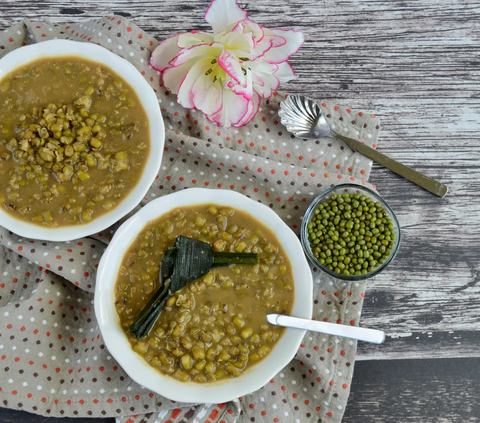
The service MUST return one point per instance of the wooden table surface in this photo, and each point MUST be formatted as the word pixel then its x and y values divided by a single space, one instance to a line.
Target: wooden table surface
pixel 416 64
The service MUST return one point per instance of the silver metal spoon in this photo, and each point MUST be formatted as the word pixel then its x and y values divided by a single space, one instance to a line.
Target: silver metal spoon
pixel 352 332
pixel 303 117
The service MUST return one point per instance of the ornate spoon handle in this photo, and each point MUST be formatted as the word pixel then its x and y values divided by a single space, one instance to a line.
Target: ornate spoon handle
pixel 421 180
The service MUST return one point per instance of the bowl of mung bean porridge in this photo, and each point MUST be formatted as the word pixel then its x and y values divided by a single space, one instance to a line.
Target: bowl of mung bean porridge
pixel 81 139
pixel 211 342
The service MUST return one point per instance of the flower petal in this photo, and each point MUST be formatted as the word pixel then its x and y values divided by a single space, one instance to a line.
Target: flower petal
pixel 269 40
pixel 240 44
pixel 185 94
pixel 173 77
pixel 294 40
pixel 253 27
pixel 193 38
pixel 262 47
pixel 210 50
pixel 230 64
pixel 222 13
pixel 245 89
pixel 164 53
pixel 264 79
pixel 234 109
pixel 252 110
pixel 285 72
pixel 207 94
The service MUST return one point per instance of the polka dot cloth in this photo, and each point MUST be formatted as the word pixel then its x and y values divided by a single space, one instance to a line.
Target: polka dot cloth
pixel 52 357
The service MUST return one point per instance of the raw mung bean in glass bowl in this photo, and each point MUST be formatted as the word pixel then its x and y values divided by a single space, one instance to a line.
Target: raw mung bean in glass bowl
pixel 350 232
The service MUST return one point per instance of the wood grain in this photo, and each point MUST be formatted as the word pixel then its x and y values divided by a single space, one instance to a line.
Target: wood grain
pixel 416 65
pixel 413 391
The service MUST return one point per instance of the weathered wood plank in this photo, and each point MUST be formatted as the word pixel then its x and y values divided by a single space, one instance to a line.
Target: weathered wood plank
pixel 422 345
pixel 427 391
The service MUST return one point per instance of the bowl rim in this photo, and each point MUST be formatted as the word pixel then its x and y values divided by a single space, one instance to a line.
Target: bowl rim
pixel 306 245
pixel 68 48
pixel 135 366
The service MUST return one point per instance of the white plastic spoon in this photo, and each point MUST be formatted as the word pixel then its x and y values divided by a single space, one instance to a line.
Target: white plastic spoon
pixel 352 332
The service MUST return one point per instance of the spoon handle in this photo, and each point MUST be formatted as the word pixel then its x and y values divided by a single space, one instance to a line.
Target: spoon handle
pixel 352 332
pixel 421 180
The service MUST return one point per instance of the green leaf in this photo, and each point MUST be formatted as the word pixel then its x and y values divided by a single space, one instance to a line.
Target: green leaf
pixel 234 258
pixel 168 263
pixel 194 259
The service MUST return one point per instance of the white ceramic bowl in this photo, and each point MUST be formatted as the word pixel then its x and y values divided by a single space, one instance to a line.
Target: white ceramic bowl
pixel 135 365
pixel 59 48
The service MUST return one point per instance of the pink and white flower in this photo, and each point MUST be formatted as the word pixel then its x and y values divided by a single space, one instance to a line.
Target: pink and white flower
pixel 225 73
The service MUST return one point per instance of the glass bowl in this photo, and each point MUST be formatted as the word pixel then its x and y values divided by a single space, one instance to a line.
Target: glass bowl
pixel 339 190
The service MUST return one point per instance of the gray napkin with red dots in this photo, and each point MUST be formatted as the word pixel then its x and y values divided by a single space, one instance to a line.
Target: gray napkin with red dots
pixel 52 357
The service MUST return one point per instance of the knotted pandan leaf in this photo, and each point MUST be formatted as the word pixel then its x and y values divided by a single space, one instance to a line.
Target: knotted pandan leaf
pixel 189 259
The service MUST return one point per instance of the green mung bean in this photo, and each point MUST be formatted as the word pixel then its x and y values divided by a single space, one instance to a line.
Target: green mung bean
pixel 354 229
